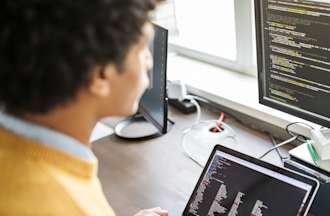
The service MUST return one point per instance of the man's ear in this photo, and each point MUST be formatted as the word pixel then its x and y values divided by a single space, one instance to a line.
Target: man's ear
pixel 100 83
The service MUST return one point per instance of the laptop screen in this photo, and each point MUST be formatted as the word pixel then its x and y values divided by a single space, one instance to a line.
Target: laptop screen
pixel 232 186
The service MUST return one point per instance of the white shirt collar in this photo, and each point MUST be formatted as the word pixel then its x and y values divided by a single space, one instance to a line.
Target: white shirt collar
pixel 46 136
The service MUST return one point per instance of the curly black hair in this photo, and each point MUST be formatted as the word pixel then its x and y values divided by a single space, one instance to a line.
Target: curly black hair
pixel 48 47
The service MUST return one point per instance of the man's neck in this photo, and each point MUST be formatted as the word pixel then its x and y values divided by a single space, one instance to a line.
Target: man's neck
pixel 75 121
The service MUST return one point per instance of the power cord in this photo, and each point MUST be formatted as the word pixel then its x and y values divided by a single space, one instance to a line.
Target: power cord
pixel 282 158
pixel 295 136
pixel 177 90
pixel 198 108
pixel 278 145
pixel 189 155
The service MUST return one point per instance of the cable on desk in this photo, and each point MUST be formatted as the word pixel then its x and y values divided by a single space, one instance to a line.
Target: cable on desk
pixel 193 100
pixel 278 145
pixel 191 156
pixel 295 136
pixel 198 140
pixel 283 158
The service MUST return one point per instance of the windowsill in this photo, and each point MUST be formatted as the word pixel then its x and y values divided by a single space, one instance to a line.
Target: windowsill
pixel 230 89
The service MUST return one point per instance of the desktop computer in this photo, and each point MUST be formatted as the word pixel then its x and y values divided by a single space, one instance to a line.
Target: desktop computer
pixel 293 53
pixel 151 119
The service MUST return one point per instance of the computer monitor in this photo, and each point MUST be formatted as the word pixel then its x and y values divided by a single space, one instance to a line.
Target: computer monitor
pixel 153 104
pixel 151 119
pixel 293 44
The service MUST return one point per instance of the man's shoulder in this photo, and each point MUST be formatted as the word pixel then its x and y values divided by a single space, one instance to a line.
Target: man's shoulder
pixel 35 180
pixel 26 187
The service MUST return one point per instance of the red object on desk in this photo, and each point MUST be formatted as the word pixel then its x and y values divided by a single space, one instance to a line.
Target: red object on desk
pixel 217 128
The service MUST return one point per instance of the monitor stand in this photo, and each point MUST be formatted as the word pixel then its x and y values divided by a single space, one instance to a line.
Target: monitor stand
pixel 136 127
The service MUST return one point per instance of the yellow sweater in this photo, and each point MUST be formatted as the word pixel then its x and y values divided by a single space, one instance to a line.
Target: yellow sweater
pixel 37 180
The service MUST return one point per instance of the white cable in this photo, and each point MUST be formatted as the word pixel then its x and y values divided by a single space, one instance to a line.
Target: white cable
pixel 278 145
pixel 191 156
pixel 200 98
pixel 177 90
pixel 282 158
pixel 198 108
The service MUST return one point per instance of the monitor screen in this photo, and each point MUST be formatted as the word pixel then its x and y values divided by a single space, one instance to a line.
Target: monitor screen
pixel 293 43
pixel 153 104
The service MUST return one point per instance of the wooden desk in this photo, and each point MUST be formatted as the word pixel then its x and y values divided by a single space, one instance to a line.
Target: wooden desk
pixel 137 175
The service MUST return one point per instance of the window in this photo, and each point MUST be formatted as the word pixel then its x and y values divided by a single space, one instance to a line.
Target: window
pixel 220 32
pixel 207 26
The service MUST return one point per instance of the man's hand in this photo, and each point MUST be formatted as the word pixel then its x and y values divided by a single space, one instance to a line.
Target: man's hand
pixel 152 212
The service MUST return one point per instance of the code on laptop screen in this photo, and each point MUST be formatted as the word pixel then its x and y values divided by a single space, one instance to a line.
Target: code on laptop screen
pixel 234 187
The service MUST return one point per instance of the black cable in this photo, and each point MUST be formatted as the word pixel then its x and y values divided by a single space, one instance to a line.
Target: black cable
pixel 170 121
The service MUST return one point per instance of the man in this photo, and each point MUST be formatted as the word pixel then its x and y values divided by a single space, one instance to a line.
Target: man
pixel 64 65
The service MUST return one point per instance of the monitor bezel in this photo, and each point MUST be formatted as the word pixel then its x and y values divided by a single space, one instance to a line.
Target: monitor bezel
pixel 162 128
pixel 284 171
pixel 261 74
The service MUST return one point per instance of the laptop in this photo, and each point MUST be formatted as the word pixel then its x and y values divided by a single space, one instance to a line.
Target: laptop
pixel 235 184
